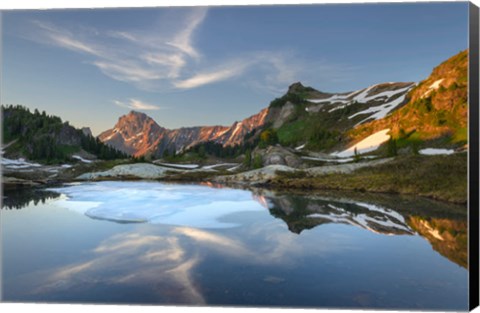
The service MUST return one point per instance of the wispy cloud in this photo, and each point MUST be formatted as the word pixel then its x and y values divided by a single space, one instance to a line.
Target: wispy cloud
pixel 73 44
pixel 166 57
pixel 65 39
pixel 156 57
pixel 222 73
pixel 127 71
pixel 183 39
pixel 122 35
pixel 135 104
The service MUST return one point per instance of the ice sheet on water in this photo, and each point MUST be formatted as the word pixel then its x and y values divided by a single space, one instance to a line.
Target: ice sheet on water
pixel 158 203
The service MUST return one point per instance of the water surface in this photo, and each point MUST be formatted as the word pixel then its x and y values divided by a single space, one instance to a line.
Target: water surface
pixel 154 243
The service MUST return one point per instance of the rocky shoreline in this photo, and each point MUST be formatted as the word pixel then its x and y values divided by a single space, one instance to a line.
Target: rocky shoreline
pixel 378 176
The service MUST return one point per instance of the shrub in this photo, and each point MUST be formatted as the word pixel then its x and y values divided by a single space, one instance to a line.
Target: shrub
pixel 257 161
pixel 268 137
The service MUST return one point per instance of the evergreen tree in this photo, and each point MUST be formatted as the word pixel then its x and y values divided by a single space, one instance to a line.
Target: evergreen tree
pixel 356 155
pixel 392 147
pixel 248 158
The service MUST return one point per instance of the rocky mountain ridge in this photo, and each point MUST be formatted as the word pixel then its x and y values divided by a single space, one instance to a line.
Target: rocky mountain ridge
pixel 138 134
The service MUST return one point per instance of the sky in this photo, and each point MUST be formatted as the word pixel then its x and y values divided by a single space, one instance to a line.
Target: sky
pixel 214 65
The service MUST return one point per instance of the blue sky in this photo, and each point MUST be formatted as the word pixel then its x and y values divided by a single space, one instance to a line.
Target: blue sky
pixel 216 65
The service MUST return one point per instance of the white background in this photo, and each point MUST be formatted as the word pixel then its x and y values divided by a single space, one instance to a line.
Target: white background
pixel 54 308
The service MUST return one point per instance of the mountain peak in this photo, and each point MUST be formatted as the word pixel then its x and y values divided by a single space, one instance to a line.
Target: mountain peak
pixel 133 112
pixel 135 115
pixel 296 87
pixel 134 133
pixel 304 91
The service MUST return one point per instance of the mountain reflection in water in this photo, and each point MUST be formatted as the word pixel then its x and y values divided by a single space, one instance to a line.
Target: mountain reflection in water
pixel 155 243
pixel 443 225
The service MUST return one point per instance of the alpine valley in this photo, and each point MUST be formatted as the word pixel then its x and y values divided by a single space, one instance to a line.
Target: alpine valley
pixel 389 137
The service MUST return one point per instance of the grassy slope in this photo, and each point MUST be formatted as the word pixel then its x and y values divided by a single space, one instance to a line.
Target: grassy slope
pixel 438 117
pixel 442 177
pixel 321 130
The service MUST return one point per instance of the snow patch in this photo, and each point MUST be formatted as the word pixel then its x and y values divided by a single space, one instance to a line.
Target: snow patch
pixel 345 160
pixel 434 151
pixel 187 166
pixel 237 129
pixel 300 147
pixel 81 159
pixel 209 167
pixel 388 94
pixel 232 169
pixel 337 108
pixel 436 84
pixel 18 163
pixel 333 99
pixel 379 111
pixel 371 143
pixel 336 98
pixel 361 96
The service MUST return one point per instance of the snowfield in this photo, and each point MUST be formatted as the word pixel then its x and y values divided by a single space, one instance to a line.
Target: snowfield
pixel 371 143
pixel 387 94
pixel 361 96
pixel 379 111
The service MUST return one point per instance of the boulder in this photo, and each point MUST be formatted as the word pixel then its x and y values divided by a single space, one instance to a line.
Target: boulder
pixel 137 170
pixel 277 155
